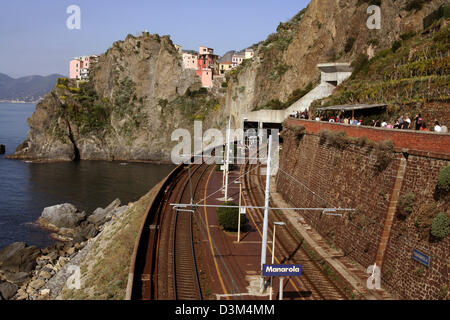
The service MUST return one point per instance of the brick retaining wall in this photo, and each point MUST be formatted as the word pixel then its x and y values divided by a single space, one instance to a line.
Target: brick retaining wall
pixel 428 142
pixel 329 176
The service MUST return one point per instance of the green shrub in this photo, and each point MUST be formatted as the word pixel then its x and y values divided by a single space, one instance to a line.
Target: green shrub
pixel 299 132
pixel 373 42
pixel 441 226
pixel 407 35
pixel 384 153
pixel 228 217
pixel 415 5
pixel 74 90
pixel 337 139
pixel 405 205
pixel 443 184
pixel 361 63
pixel 163 103
pixel 63 81
pixel 369 2
pixel 349 44
pixel 396 45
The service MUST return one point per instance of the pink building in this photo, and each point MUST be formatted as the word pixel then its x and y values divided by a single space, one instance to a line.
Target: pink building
pixel 205 66
pixel 79 67
pixel 207 78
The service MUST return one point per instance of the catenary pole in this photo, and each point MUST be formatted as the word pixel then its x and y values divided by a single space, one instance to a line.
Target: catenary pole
pixel 227 161
pixel 266 213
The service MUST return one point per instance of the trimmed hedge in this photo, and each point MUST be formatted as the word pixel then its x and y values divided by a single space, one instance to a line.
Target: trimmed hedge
pixel 228 217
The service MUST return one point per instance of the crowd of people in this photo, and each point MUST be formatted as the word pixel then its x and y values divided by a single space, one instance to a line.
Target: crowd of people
pixel 403 122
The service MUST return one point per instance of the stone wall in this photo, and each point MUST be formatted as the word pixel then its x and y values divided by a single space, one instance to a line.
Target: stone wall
pixel 315 173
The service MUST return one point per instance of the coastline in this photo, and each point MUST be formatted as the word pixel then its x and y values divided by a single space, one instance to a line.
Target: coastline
pixel 20 102
pixel 43 160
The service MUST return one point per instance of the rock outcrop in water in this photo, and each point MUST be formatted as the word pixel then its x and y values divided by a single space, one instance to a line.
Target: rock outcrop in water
pixel 69 224
pixel 138 93
pixel 61 216
pixel 31 273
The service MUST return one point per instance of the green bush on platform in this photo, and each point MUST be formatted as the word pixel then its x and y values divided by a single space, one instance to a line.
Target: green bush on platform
pixel 228 217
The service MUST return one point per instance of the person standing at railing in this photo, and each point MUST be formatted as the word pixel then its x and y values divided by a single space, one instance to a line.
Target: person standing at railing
pixel 418 120
pixel 407 123
pixel 437 127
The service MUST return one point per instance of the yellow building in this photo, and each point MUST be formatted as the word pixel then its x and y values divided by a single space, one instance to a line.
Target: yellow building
pixel 225 66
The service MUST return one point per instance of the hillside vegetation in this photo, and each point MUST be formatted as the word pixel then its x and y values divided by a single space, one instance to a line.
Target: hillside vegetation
pixel 284 67
pixel 414 71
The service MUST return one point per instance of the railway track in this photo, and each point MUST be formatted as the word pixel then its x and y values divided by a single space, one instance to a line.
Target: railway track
pixel 314 284
pixel 185 275
pixel 166 267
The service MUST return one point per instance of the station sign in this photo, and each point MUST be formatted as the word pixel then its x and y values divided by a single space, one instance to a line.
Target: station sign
pixel 421 257
pixel 282 270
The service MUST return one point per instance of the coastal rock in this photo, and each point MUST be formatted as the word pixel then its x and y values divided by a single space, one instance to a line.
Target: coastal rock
pixel 18 278
pixel 61 216
pixel 61 238
pixel 19 258
pixel 89 232
pixel 70 251
pixel 45 275
pixel 2 149
pixel 52 256
pixel 100 216
pixel 37 284
pixel 118 212
pixel 11 250
pixel 145 62
pixel 8 290
pixel 45 292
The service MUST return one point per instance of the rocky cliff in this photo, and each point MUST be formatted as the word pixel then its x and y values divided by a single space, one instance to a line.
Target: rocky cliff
pixel 137 95
pixel 285 64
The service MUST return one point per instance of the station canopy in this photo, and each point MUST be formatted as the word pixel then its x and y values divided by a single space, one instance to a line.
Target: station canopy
pixel 351 107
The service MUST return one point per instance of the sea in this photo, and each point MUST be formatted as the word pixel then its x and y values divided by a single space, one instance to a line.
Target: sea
pixel 27 188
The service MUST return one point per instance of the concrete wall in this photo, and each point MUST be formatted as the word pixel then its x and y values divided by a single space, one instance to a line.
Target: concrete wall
pixel 321 91
pixel 338 77
pixel 267 116
pixel 330 73
pixel 348 177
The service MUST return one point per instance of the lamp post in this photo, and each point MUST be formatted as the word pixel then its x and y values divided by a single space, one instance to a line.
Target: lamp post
pixel 275 224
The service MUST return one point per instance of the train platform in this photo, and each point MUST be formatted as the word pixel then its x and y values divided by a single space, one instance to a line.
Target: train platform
pixel 354 273
pixel 235 271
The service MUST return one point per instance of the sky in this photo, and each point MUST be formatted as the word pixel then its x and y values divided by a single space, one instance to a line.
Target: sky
pixel 34 38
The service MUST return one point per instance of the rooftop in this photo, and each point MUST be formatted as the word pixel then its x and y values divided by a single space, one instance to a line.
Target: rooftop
pixel 335 67
pixel 351 107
